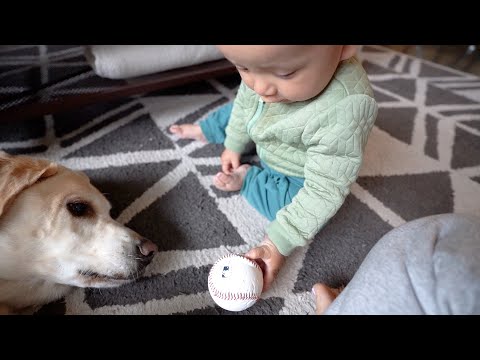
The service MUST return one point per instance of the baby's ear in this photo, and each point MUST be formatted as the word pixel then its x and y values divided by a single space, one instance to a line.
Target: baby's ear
pixel 348 51
pixel 19 172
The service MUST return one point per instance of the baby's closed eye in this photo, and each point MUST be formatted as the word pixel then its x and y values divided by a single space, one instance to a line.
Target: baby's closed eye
pixel 286 75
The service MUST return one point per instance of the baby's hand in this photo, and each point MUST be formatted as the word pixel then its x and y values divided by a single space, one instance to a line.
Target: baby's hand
pixel 230 161
pixel 270 260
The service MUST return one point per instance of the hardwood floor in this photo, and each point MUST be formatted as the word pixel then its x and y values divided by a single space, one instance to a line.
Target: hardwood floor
pixel 462 57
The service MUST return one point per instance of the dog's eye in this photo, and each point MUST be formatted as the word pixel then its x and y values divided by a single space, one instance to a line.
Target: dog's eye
pixel 78 208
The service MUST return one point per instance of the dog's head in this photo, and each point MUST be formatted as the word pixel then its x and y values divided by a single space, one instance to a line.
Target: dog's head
pixel 56 226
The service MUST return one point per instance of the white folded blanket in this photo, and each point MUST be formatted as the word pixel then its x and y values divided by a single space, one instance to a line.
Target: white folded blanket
pixel 127 61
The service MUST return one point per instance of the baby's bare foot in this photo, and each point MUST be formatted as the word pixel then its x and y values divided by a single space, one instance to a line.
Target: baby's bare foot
pixel 188 131
pixel 324 296
pixel 231 182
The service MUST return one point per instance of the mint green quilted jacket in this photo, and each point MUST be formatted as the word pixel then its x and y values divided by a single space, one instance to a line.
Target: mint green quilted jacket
pixel 321 140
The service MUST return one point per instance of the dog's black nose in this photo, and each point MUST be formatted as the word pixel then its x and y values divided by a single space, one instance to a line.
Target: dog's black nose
pixel 146 249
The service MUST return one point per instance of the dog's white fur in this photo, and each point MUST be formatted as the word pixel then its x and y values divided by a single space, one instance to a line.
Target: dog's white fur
pixel 56 233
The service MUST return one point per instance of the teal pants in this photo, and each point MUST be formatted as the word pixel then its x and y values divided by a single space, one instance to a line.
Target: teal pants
pixel 213 127
pixel 265 189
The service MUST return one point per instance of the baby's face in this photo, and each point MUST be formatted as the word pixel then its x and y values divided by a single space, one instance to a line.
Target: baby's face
pixel 285 73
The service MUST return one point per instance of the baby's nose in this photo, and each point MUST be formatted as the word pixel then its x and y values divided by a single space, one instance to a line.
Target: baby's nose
pixel 264 88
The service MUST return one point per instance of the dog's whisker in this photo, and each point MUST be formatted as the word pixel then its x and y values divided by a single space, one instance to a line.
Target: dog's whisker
pixel 132 274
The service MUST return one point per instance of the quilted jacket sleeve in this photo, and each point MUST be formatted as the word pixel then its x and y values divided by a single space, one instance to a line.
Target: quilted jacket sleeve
pixel 237 137
pixel 334 156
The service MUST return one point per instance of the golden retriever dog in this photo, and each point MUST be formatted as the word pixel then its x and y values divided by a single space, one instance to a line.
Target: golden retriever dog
pixel 56 233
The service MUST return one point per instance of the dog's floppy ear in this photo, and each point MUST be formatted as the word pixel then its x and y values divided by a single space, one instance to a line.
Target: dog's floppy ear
pixel 19 172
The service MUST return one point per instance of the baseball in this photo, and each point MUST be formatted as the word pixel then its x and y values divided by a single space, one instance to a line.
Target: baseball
pixel 235 282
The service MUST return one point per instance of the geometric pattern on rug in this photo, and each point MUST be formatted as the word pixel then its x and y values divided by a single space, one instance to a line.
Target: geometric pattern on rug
pixel 422 158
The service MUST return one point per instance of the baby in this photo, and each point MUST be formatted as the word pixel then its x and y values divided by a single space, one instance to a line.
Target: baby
pixel 309 110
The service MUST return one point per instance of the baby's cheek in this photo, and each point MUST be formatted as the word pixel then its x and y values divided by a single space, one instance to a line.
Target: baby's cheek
pixel 247 80
pixel 305 92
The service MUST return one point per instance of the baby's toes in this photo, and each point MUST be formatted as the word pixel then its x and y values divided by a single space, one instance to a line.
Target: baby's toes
pixel 225 179
pixel 218 182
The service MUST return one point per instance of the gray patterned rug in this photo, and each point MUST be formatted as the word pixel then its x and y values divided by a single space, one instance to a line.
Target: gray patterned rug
pixel 423 158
